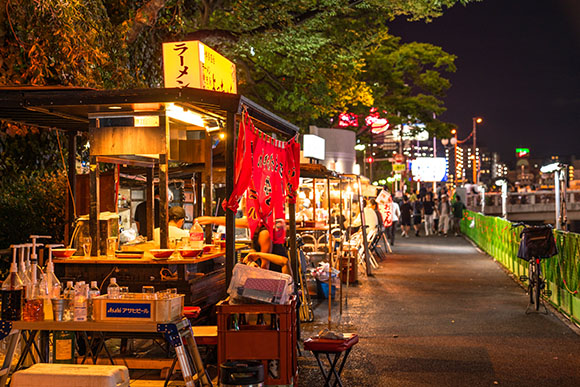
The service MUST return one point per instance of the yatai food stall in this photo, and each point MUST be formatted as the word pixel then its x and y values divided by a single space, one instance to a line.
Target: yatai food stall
pixel 141 128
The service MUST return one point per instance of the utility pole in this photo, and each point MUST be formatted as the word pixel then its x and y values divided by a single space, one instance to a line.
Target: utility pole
pixel 476 120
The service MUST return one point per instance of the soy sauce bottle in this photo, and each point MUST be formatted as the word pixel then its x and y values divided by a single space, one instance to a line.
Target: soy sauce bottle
pixel 12 288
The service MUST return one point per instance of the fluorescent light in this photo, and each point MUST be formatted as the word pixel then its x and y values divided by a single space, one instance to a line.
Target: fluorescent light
pixel 178 113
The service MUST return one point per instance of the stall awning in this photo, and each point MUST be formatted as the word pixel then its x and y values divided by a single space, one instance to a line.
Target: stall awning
pixel 69 108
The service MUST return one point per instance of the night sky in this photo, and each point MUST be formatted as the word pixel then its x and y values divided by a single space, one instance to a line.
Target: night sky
pixel 518 67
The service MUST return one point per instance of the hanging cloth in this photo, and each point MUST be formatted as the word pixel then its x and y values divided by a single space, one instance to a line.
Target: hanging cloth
pixel 262 170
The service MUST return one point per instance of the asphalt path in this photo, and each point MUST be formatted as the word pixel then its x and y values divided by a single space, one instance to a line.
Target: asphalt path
pixel 438 312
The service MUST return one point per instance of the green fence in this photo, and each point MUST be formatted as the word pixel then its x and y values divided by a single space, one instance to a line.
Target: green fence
pixel 496 237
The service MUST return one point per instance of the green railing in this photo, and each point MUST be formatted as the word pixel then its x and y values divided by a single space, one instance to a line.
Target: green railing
pixel 496 237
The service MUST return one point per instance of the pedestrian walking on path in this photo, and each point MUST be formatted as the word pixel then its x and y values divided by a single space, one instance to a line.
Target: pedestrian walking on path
pixel 406 212
pixel 444 210
pixel 458 208
pixel 417 214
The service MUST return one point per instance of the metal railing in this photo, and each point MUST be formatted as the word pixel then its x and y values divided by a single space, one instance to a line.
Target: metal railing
pixel 496 237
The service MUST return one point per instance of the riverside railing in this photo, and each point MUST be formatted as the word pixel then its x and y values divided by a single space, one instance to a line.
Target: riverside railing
pixel 496 237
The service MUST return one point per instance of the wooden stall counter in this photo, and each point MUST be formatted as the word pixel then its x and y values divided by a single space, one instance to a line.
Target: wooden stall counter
pixel 201 279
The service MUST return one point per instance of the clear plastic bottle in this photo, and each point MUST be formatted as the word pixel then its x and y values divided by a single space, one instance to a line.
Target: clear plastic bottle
pixel 45 295
pixel 68 295
pixel 196 236
pixel 23 269
pixel 113 290
pixel 80 302
pixel 12 288
pixel 93 292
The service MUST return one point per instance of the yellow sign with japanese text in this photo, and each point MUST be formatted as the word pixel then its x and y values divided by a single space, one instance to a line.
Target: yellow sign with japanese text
pixel 193 64
pixel 399 167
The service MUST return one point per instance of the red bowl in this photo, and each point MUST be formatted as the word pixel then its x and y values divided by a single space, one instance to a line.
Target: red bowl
pixel 161 253
pixel 207 248
pixel 190 253
pixel 63 253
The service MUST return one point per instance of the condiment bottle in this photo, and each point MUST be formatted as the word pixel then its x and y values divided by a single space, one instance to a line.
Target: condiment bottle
pixel 12 292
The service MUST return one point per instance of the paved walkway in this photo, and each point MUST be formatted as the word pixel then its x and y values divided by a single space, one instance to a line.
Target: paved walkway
pixel 440 313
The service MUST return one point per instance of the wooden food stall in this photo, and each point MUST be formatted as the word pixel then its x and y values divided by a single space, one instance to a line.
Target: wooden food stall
pixel 156 130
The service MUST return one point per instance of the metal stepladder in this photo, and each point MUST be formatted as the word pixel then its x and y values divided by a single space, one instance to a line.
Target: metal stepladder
pixel 178 334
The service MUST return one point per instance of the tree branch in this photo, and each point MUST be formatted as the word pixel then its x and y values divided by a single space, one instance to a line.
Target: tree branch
pixel 146 16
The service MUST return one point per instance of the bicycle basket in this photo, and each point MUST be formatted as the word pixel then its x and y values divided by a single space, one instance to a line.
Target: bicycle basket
pixel 537 242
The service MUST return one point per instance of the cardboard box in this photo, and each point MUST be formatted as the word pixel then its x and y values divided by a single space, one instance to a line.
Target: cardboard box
pixel 137 308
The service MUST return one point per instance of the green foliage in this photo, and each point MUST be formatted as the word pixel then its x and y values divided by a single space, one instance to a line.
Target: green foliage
pixel 32 204
pixel 28 150
pixel 408 82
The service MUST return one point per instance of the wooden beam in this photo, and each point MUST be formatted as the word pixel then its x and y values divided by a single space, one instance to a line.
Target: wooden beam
pixel 163 185
pixel 150 205
pixel 71 190
pixel 94 206
pixel 137 162
pixel 230 215
pixel 208 181
pixel 163 202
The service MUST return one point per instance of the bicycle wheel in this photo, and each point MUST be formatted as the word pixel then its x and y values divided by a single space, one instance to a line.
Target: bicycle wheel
pixel 531 282
pixel 536 284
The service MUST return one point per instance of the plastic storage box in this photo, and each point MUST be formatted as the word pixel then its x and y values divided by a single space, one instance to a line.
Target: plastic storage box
pixel 72 375
pixel 253 283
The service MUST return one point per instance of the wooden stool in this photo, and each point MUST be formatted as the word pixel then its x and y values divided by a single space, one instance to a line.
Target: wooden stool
pixel 327 346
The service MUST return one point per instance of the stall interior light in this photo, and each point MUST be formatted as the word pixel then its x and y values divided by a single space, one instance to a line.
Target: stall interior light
pixel 179 113
pixel 222 135
pixel 212 125
pixel 115 107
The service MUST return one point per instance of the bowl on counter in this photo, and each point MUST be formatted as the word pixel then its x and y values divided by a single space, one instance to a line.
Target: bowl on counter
pixel 189 252
pixel 63 253
pixel 162 253
pixel 207 248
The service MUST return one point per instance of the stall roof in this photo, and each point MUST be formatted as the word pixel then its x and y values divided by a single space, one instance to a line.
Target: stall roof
pixel 317 171
pixel 69 108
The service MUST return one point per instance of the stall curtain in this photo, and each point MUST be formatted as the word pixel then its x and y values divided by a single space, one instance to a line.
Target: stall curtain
pixel 268 170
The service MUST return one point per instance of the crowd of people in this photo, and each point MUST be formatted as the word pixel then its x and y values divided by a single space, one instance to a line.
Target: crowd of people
pixel 436 214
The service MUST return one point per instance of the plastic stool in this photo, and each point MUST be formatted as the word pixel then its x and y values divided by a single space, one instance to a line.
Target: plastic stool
pixel 337 347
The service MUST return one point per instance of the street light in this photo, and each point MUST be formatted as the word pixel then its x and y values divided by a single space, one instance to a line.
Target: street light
pixel 476 120
pixel 453 142
pixel 503 184
pixel 561 209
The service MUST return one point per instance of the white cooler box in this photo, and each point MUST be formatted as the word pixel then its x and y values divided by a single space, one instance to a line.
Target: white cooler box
pixel 71 375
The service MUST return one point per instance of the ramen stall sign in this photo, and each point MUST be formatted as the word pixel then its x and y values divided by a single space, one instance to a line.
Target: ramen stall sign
pixel 193 64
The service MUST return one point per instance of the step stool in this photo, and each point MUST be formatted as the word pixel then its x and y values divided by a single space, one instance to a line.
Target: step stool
pixel 337 347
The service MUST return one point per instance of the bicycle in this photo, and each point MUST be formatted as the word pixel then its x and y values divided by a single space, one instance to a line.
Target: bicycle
pixel 537 242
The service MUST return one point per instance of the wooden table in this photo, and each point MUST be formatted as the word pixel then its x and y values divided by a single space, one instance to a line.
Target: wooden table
pixel 180 334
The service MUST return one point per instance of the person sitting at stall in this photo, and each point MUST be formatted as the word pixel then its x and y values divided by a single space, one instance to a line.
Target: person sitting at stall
pixel 337 219
pixel 305 213
pixel 266 253
pixel 175 231
pixel 371 219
